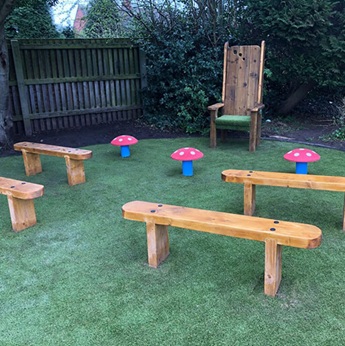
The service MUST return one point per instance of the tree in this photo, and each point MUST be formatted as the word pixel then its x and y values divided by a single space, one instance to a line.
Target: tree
pixel 103 19
pixel 6 7
pixel 305 42
pixel 31 21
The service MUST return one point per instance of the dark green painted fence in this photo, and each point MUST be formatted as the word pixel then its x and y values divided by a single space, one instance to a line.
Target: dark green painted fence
pixel 57 84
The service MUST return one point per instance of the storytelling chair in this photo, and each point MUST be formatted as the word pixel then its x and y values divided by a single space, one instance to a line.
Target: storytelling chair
pixel 242 94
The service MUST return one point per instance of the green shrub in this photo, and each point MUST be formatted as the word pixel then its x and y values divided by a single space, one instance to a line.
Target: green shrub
pixel 305 44
pixel 184 56
pixel 183 79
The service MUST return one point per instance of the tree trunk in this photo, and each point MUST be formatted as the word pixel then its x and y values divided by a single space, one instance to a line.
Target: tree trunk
pixel 295 97
pixel 5 121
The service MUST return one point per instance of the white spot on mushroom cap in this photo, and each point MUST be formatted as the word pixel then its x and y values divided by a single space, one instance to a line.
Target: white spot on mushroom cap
pixel 192 152
pixel 186 148
pixel 120 140
pixel 301 149
pixel 290 152
pixel 308 154
pixel 182 153
pixel 296 154
pixel 129 138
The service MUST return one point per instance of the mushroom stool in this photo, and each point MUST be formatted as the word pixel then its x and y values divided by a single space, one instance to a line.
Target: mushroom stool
pixel 124 142
pixel 187 155
pixel 302 156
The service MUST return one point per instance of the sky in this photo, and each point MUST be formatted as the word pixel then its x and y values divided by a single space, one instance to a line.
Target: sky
pixel 64 12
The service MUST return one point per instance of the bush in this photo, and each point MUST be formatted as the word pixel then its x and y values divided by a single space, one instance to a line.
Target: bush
pixel 183 79
pixel 184 56
pixel 305 44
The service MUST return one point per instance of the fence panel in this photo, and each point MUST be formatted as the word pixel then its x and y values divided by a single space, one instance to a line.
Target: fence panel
pixel 56 84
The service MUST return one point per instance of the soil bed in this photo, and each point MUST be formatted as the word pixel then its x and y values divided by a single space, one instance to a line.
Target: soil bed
pixel 309 131
pixel 97 134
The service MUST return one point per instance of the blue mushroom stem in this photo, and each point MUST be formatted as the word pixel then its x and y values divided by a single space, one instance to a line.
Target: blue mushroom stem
pixel 301 167
pixel 187 168
pixel 125 151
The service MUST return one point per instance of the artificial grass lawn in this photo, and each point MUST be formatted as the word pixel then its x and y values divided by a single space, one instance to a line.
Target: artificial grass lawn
pixel 80 276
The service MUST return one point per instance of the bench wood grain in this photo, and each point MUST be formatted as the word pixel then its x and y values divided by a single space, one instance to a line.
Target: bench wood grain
pixel 20 196
pixel 301 181
pixel 275 234
pixel 74 159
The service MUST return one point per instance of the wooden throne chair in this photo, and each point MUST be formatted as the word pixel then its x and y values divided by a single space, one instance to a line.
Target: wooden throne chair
pixel 241 104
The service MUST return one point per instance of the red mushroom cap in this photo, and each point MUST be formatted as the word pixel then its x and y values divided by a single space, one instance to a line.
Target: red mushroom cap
pixel 302 155
pixel 124 140
pixel 187 154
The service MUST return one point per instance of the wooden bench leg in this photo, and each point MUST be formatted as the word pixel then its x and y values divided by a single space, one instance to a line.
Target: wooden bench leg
pixel 249 198
pixel 273 266
pixel 22 213
pixel 157 243
pixel 32 163
pixel 75 171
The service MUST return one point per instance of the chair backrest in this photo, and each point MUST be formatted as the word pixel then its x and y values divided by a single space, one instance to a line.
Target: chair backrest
pixel 242 78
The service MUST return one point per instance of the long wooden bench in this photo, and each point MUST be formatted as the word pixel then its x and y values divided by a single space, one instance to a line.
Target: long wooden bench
pixel 20 195
pixel 74 159
pixel 300 181
pixel 274 233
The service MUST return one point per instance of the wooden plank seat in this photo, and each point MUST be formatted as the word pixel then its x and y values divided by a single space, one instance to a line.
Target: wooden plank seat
pixel 74 159
pixel 274 233
pixel 20 196
pixel 301 181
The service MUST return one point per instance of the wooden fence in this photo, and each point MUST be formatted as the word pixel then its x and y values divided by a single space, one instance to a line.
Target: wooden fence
pixel 58 84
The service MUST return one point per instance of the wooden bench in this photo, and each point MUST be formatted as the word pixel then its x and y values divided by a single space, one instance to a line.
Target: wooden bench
pixel 20 195
pixel 274 233
pixel 74 159
pixel 300 181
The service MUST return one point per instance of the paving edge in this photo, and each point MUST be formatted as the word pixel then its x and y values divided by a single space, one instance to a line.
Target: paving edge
pixel 301 142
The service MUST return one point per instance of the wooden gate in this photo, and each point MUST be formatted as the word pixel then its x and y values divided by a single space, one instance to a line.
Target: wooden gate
pixel 57 84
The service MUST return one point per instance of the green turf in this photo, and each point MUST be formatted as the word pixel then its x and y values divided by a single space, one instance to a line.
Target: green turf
pixel 80 276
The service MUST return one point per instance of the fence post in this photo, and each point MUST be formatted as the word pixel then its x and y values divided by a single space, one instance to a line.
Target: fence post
pixel 143 75
pixel 18 66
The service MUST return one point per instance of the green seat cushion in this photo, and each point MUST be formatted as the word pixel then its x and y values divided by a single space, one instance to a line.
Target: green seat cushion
pixel 233 122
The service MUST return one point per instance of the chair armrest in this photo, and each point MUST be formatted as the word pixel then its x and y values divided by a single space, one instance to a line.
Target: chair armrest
pixel 215 107
pixel 256 108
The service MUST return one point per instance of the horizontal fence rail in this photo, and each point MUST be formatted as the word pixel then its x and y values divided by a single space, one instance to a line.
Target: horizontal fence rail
pixel 57 84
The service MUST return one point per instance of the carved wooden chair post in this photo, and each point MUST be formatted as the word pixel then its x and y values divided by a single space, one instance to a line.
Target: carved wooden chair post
pixel 242 94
